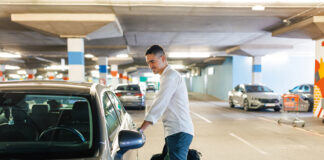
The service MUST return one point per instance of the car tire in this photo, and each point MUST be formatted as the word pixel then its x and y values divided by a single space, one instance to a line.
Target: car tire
pixel 231 103
pixel 310 106
pixel 246 105
pixel 276 109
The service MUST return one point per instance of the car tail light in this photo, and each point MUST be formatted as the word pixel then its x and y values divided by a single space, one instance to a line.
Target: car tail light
pixel 118 94
pixel 139 94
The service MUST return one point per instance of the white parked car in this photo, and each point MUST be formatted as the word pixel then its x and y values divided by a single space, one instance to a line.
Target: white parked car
pixel 252 96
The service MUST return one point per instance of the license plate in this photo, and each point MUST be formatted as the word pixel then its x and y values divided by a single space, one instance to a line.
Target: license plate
pixel 129 94
pixel 270 105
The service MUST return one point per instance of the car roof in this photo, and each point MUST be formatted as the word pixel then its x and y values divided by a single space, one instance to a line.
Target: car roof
pixel 46 86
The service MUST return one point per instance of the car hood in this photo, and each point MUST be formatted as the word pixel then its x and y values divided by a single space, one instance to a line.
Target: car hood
pixel 267 95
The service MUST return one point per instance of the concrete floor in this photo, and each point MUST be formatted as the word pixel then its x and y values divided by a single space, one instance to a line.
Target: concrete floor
pixel 224 133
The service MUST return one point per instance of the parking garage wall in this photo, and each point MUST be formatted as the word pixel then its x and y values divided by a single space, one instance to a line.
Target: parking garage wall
pixel 279 73
pixel 283 72
pixel 217 84
pixel 234 70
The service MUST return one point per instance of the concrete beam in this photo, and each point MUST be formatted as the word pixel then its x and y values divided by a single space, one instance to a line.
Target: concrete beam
pixel 311 28
pixel 64 25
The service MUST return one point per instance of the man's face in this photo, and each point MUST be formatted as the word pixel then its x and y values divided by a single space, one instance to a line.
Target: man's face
pixel 156 63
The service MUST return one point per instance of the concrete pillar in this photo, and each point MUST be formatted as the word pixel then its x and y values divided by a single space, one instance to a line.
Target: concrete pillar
pixel 76 59
pixel 256 70
pixel 125 78
pixel 114 74
pixel 2 69
pixel 31 74
pixel 103 62
pixel 319 80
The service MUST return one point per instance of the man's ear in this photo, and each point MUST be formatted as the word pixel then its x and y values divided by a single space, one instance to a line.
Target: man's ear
pixel 163 58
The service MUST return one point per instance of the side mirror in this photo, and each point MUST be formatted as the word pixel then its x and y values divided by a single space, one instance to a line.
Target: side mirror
pixel 290 90
pixel 129 140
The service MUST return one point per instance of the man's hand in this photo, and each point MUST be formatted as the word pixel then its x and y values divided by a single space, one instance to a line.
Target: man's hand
pixel 140 130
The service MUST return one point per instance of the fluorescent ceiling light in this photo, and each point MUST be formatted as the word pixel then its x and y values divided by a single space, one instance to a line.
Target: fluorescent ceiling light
pixel 258 8
pixel 56 67
pixel 95 73
pixel 15 76
pixel 9 67
pixel 177 66
pixel 9 55
pixel 59 76
pixel 21 72
pixel 122 55
pixel 148 74
pixel 189 54
pixel 88 55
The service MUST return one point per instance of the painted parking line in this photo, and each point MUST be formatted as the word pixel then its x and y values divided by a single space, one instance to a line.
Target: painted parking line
pixel 201 117
pixel 249 144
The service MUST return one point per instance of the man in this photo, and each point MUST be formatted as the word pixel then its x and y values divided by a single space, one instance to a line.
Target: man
pixel 172 104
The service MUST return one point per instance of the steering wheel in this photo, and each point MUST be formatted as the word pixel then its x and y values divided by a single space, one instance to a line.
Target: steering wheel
pixel 71 130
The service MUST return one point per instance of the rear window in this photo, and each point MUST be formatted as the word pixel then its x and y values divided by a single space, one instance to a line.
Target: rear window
pixel 44 123
pixel 129 88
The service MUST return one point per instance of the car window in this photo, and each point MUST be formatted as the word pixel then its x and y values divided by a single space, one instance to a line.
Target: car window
pixel 296 89
pixel 306 88
pixel 237 88
pixel 33 120
pixel 257 88
pixel 118 105
pixel 129 88
pixel 111 118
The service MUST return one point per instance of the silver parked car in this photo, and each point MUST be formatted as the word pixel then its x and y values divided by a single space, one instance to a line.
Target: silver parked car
pixel 131 95
pixel 306 92
pixel 86 121
pixel 254 97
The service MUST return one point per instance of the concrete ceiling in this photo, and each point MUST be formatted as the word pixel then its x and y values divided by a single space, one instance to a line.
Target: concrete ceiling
pixel 178 28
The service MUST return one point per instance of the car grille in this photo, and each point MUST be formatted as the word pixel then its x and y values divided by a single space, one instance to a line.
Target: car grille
pixel 269 100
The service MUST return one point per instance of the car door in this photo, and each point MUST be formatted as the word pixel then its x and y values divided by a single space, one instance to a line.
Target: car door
pixel 112 123
pixel 126 122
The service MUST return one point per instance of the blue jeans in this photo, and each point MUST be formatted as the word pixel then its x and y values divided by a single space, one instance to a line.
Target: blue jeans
pixel 178 146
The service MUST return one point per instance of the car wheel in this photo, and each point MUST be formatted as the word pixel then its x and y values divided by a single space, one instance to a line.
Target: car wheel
pixel 276 109
pixel 310 106
pixel 231 103
pixel 246 105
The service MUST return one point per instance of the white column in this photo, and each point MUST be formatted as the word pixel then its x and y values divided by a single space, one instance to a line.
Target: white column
pixel 115 75
pixel 76 59
pixel 103 62
pixel 125 78
pixel 318 109
pixel 31 73
pixel 2 69
pixel 256 70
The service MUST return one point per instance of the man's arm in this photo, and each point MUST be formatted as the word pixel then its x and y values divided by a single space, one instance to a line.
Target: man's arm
pixel 144 125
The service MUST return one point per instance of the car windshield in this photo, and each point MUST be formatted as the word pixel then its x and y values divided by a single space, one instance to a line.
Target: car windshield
pixel 128 88
pixel 257 88
pixel 44 123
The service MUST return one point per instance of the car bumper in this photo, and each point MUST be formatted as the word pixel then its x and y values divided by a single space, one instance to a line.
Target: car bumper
pixel 259 105
pixel 133 104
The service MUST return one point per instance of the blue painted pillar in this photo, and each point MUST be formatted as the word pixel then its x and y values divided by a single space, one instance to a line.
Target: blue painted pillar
pixel 76 59
pixel 103 62
pixel 257 70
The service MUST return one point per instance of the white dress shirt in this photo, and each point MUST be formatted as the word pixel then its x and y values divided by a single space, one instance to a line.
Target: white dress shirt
pixel 172 103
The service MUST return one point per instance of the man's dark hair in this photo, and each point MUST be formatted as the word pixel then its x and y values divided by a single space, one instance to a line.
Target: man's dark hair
pixel 156 50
